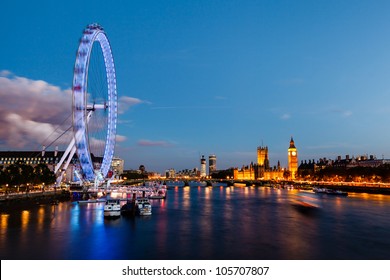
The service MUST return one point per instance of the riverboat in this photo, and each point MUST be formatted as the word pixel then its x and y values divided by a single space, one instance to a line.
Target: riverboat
pixel 128 209
pixel 112 208
pixel 143 206
pixel 306 200
pixel 330 191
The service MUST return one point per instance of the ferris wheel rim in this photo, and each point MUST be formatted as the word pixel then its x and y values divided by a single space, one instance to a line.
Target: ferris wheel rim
pixel 93 33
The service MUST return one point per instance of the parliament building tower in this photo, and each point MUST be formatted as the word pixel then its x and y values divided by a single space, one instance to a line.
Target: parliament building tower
pixel 262 157
pixel 292 160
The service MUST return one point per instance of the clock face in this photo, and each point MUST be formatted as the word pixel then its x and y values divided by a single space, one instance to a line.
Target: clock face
pixel 294 153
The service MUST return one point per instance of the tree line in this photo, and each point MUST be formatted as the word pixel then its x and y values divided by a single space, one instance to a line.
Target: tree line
pixel 21 174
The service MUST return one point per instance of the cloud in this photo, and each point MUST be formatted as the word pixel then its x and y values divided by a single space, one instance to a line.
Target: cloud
pixel 35 113
pixel 189 107
pixel 344 113
pixel 125 102
pixel 31 110
pixel 120 138
pixel 150 143
pixel 20 132
pixel 347 113
pixel 285 116
pixel 5 73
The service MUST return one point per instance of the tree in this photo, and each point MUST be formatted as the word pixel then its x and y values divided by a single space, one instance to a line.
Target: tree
pixel 42 174
pixel 13 174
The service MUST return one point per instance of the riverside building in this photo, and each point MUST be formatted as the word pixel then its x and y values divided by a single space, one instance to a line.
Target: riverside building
pixel 212 164
pixel 262 170
pixel 203 167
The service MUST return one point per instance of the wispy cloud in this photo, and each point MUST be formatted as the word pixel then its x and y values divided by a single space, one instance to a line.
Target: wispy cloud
pixel 188 107
pixel 285 116
pixel 151 143
pixel 125 102
pixel 120 138
pixel 5 73
pixel 342 112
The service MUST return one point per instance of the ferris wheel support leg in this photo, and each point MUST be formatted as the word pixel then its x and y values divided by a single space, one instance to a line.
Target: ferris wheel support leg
pixel 65 155
pixel 59 178
pixel 69 155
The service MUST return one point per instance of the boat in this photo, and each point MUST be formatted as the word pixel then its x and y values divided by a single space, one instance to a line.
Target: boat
pixel 98 200
pixel 158 194
pixel 143 207
pixel 112 208
pixel 305 200
pixel 330 191
pixel 128 209
pixel 337 192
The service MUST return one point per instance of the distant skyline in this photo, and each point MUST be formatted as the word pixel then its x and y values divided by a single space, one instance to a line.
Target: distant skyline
pixel 207 77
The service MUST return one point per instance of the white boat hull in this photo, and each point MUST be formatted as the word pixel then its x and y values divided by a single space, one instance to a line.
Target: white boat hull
pixel 145 212
pixel 112 208
pixel 143 207
pixel 112 213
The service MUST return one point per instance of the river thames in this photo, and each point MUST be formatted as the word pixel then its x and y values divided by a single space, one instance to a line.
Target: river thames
pixel 216 223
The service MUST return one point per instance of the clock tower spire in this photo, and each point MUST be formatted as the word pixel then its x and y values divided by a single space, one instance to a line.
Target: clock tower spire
pixel 292 156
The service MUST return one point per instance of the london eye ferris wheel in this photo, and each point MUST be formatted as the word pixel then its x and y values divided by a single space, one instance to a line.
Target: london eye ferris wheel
pixel 94 102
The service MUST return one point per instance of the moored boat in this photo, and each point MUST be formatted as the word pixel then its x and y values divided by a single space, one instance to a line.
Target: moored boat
pixel 128 209
pixel 337 192
pixel 330 191
pixel 143 206
pixel 112 208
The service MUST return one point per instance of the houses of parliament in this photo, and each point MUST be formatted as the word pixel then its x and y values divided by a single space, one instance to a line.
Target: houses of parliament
pixel 262 169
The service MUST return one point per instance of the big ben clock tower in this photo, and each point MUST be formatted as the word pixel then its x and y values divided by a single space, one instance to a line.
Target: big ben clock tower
pixel 292 160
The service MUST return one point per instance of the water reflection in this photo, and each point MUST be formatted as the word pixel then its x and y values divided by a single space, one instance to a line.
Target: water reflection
pixel 205 223
pixel 3 228
pixel 186 198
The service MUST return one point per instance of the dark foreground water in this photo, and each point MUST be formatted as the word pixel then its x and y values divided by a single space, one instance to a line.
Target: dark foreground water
pixel 206 223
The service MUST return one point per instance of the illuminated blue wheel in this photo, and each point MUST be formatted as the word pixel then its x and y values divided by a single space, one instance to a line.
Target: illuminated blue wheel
pixel 94 102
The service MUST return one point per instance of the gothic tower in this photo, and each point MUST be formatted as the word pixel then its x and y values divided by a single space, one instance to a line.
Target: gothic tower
pixel 292 155
pixel 262 157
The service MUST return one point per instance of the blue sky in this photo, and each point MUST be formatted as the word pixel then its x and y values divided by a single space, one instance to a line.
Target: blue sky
pixel 208 77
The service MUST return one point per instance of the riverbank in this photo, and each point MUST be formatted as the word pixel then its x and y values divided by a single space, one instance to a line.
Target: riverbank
pixel 27 200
